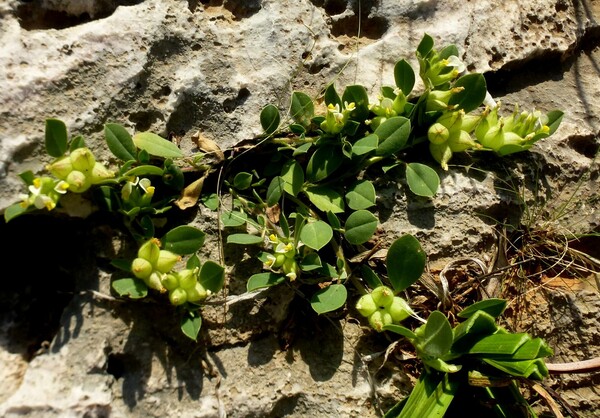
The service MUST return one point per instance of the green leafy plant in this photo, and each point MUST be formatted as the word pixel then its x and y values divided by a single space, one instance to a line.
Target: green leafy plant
pixel 474 355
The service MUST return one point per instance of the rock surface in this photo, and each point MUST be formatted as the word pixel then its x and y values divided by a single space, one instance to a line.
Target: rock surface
pixel 174 66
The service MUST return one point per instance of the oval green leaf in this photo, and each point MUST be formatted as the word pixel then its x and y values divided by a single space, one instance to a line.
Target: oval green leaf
pixel 56 137
pixel 119 142
pixel 437 338
pixel 242 180
pixel 405 262
pixel 233 218
pixel 492 306
pixel 156 145
pixel 275 190
pixel 212 276
pixel 393 135
pixel 323 163
pixel 326 199
pixel 475 89
pixel 361 195
pixel 190 325
pixel 316 235
pixel 183 240
pixel 422 180
pixel 133 288
pixel 302 108
pixel 270 119
pixel 262 280
pixel 329 299
pixel 293 177
pixel 404 76
pixel 399 329
pixel 358 95
pixel 244 239
pixel 360 227
pixel 144 170
pixel 365 145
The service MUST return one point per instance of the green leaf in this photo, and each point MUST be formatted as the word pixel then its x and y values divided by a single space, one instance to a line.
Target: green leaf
pixel 293 177
pixel 310 262
pixel 77 142
pixel 467 333
pixel 173 175
pixel 56 137
pixel 333 220
pixel 323 163
pixel 134 288
pixel 430 398
pixel 193 262
pixel 316 235
pixel 405 262
pixel 361 195
pixel 393 135
pixel 144 170
pixel 369 276
pixel 212 276
pixel 493 307
pixel 475 89
pixel 210 200
pixel 242 180
pixel 183 240
pixel 499 344
pixel 233 218
pixel 13 211
pixel 437 337
pixel 119 142
pixel 326 199
pixel 404 76
pixel 244 239
pixel 332 97
pixel 448 51
pixel 360 227
pixel 554 119
pixel 262 280
pixel 156 145
pixel 357 94
pixel 191 324
pixel 270 119
pixel 275 190
pixel 425 46
pixel 302 149
pixel 422 180
pixel 399 329
pixel 302 108
pixel 121 264
pixel 365 145
pixel 329 299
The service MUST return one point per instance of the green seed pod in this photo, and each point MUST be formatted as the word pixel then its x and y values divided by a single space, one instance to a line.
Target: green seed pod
pixel 187 278
pixel 399 309
pixel 366 306
pixel 82 159
pixel 150 251
pixel 100 173
pixel 462 142
pixel 141 268
pixel 170 281
pixel 178 296
pixel 61 167
pixel 379 319
pixel 441 153
pixel 382 296
pixel 166 261
pixel 196 293
pixel 290 268
pixel 279 259
pixel 78 181
pixel 494 138
pixel 155 281
pixel 438 133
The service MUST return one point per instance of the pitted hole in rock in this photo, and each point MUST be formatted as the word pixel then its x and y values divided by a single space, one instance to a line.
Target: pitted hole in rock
pixel 229 105
pixel 239 9
pixel 118 363
pixel 585 145
pixel 55 14
pixel 42 252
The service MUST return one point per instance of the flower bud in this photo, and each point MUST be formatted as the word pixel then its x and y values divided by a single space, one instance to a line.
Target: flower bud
pixel 366 306
pixel 150 251
pixel 187 278
pixel 462 142
pixel 379 319
pixel 178 296
pixel 170 281
pixel 290 268
pixel 155 281
pixel 438 133
pixel 441 153
pixel 382 296
pixel 82 159
pixel 196 293
pixel 166 261
pixel 141 268
pixel 78 181
pixel 399 309
pixel 61 167
pixel 100 173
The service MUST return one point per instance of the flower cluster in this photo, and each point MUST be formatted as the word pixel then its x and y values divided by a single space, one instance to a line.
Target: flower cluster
pixel 79 170
pixel 387 107
pixel 283 257
pixel 137 192
pixel 382 308
pixel 44 193
pixel 336 118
